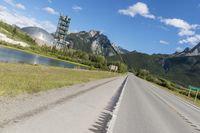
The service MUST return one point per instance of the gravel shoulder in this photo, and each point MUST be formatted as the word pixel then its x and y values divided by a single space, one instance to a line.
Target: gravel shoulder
pixel 22 106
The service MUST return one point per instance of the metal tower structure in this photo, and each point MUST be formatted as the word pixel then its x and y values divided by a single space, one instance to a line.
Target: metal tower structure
pixel 62 31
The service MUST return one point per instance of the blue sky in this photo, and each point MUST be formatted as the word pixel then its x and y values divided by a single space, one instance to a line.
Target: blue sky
pixel 150 26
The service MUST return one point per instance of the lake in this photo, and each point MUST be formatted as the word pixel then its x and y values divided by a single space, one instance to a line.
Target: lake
pixel 17 56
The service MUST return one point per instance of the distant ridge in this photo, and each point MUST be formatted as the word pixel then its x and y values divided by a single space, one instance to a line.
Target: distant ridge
pixel 195 51
pixel 182 67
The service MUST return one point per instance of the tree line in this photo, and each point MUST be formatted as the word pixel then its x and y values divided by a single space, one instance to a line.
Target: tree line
pixel 92 60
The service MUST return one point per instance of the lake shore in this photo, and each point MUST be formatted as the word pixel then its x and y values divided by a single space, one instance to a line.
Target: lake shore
pixel 42 55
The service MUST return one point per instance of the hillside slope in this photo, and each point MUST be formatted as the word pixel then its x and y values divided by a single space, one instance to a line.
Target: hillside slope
pixel 182 70
pixel 15 33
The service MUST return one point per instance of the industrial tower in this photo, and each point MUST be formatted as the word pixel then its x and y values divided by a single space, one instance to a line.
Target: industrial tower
pixel 62 31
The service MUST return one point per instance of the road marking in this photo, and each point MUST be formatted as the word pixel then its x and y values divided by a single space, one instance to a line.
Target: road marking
pixel 115 112
pixel 179 99
pixel 106 120
pixel 175 109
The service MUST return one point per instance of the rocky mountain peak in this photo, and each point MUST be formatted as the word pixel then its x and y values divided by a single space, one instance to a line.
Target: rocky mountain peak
pixel 119 49
pixel 93 42
pixel 93 33
pixel 195 51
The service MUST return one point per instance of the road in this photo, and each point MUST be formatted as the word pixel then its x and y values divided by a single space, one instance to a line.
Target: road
pixel 124 106
pixel 146 108
pixel 77 111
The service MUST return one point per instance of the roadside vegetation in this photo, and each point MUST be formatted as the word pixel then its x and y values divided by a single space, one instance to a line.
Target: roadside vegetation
pixel 15 33
pixel 93 61
pixel 24 78
pixel 181 70
pixel 170 86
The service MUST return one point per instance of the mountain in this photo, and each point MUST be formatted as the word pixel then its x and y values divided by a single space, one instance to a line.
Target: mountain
pixel 93 42
pixel 189 52
pixel 136 60
pixel 184 70
pixel 119 49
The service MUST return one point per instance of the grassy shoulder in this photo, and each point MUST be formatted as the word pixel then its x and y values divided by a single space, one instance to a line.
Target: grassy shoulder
pixel 23 78
pixel 171 87
pixel 183 96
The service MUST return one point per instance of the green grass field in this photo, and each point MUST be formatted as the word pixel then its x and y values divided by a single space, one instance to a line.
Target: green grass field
pixel 17 79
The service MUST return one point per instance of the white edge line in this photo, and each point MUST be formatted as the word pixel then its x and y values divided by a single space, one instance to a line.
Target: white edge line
pixel 182 100
pixel 171 105
pixel 115 112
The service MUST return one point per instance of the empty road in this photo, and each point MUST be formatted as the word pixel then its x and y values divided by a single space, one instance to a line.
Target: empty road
pixel 146 108
pixel 138 107
pixel 73 109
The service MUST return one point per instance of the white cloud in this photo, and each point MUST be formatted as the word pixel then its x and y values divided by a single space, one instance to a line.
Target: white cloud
pixel 50 11
pixel 185 29
pixel 20 6
pixel 137 9
pixel 2 8
pixel 17 5
pixel 77 8
pixel 186 33
pixel 178 23
pixel 179 49
pixel 193 40
pixel 163 42
pixel 23 21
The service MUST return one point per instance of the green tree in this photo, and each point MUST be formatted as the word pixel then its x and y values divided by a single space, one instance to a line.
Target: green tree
pixel 100 59
pixel 14 31
pixel 54 50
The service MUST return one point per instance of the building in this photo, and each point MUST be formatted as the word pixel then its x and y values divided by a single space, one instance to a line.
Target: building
pixel 62 31
pixel 113 68
pixel 41 36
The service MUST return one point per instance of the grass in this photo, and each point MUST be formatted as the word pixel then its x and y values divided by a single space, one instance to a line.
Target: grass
pixel 18 79
pixel 182 93
pixel 171 87
pixel 185 97
pixel 177 93
pixel 189 99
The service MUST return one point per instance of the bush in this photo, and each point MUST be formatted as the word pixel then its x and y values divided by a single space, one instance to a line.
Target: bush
pixel 151 78
pixel 143 73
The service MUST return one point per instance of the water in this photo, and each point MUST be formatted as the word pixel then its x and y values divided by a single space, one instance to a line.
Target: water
pixel 16 56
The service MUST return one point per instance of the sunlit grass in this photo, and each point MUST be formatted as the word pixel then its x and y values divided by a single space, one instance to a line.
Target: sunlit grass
pixel 175 92
pixel 22 78
pixel 189 99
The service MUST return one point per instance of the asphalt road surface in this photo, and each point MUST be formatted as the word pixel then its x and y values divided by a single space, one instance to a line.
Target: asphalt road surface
pixel 146 108
pixel 140 108
pixel 77 112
